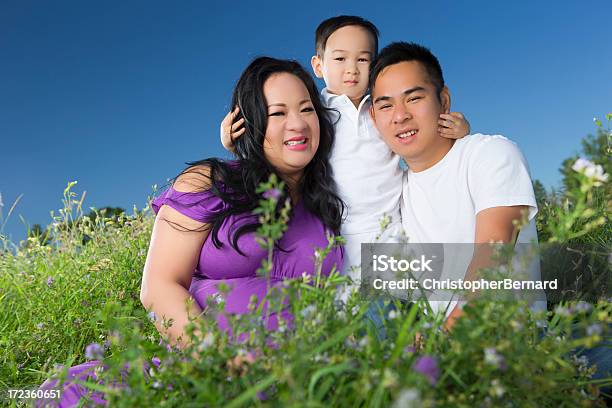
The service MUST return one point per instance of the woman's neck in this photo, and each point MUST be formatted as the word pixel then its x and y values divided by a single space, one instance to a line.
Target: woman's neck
pixel 293 182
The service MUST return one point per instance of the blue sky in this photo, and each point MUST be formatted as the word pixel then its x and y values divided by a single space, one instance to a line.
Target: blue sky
pixel 118 95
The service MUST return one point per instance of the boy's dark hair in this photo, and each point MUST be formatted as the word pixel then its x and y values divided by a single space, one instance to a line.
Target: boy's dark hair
pixel 397 52
pixel 329 26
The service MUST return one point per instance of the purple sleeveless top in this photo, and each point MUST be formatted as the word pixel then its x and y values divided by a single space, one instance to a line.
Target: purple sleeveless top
pixel 305 233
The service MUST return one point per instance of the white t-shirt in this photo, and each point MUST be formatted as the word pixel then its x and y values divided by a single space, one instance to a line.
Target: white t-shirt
pixel 439 204
pixel 366 171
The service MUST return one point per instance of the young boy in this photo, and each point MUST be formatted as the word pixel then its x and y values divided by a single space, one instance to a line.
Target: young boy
pixel 366 171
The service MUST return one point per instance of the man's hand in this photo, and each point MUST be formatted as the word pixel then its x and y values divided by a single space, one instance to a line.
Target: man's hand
pixel 453 125
pixel 231 129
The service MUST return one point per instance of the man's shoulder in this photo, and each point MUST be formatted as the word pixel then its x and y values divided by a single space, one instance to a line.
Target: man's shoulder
pixel 489 147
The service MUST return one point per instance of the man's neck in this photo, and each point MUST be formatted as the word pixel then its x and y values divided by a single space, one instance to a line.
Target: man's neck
pixel 435 154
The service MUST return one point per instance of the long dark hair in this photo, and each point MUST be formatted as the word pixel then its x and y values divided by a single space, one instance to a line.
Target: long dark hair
pixel 235 182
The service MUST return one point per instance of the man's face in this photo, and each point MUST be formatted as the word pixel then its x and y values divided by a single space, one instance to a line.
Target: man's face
pixel 406 110
pixel 345 63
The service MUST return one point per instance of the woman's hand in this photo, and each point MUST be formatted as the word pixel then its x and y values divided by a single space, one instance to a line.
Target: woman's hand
pixel 231 129
pixel 453 125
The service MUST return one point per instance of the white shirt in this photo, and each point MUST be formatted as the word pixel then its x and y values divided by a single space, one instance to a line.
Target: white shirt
pixel 366 171
pixel 439 204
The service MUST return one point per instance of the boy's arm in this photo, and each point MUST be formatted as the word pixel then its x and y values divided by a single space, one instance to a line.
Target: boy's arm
pixel 231 129
pixel 453 125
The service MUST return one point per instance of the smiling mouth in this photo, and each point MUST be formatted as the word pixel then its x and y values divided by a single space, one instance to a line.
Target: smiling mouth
pixel 406 134
pixel 295 142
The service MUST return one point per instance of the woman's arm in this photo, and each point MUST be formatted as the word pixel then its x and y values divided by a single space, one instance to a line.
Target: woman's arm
pixel 171 260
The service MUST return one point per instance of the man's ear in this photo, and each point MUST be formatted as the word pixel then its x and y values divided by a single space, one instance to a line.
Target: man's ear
pixel 317 66
pixel 372 114
pixel 445 99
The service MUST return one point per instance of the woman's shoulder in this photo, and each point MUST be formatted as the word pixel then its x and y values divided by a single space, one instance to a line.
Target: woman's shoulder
pixel 194 179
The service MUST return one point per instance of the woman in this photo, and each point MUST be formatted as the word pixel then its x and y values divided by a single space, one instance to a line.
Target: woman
pixel 204 229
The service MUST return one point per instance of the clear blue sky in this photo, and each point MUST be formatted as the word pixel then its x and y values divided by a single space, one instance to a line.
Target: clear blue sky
pixel 118 95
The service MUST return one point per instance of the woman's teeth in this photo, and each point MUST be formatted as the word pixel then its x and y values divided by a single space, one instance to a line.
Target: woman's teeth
pixel 295 142
pixel 406 134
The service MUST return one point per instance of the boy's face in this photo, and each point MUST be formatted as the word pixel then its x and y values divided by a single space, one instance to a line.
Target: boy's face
pixel 406 108
pixel 345 63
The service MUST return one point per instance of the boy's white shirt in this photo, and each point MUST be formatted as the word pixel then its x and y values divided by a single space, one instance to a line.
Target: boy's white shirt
pixel 366 171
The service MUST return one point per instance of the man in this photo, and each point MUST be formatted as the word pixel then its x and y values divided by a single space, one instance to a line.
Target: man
pixel 471 190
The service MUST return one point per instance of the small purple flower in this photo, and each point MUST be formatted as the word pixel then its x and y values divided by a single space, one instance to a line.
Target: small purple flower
pixel 50 281
pixel 409 350
pixel 94 351
pixel 492 357
pixel 273 193
pixel 582 307
pixel 428 366
pixel 40 326
pixel 156 361
pixel 262 396
pixel 151 316
pixel 594 330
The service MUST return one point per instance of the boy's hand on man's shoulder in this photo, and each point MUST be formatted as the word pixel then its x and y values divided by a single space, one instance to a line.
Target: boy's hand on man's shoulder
pixel 453 125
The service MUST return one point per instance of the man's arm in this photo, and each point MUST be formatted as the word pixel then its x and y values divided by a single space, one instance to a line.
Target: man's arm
pixel 496 224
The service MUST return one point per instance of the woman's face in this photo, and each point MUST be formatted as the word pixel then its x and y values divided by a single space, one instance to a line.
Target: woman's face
pixel 292 134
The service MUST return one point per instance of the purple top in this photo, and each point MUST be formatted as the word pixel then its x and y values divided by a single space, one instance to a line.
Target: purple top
pixel 304 233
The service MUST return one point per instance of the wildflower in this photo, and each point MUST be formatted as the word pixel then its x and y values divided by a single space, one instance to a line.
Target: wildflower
pixel 582 307
pixel 306 277
pixel 497 390
pixel 156 361
pixel 207 341
pixel 363 343
pixel 594 330
pixel 408 398
pixel 581 363
pixel 355 310
pixel 409 350
pixel 308 311
pixel 591 170
pixel 94 351
pixel 151 315
pixel 273 193
pixel 50 281
pixel 492 357
pixel 562 311
pixel 40 326
pixel 428 366
pixel 516 325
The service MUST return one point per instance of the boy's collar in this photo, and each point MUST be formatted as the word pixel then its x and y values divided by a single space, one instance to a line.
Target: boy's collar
pixel 328 97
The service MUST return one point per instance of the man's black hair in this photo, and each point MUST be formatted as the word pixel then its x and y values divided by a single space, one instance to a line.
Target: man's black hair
pixel 397 52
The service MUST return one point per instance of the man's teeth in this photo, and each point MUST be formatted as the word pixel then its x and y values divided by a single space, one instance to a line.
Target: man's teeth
pixel 406 134
pixel 295 142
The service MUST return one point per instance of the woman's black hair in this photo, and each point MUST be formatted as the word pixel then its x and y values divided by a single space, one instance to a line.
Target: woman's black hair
pixel 235 182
